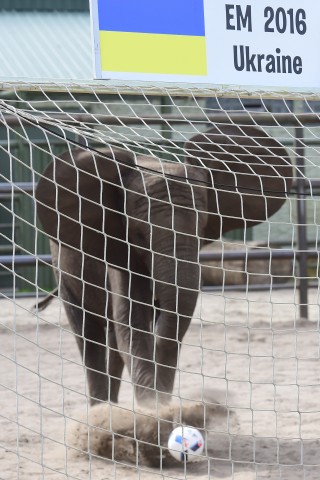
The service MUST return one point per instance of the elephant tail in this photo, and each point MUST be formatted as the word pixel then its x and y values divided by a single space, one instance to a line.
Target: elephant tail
pixel 43 304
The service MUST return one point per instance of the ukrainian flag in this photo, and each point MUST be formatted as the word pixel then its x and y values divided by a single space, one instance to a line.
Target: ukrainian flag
pixel 153 36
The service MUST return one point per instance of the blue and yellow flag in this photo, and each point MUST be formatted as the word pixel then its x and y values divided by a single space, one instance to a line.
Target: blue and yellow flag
pixel 153 36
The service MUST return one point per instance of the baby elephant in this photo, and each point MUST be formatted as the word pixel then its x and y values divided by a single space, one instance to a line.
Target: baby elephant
pixel 126 231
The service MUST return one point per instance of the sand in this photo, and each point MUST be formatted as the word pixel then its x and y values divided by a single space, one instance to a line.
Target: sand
pixel 249 376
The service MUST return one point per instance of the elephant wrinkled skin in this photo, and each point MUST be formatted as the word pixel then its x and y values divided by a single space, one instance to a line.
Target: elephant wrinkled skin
pixel 125 236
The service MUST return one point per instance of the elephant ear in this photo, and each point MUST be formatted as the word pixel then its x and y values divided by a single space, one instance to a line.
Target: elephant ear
pixel 250 174
pixel 80 201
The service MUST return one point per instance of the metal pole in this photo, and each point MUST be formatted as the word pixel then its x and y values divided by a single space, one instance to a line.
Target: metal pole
pixel 261 118
pixel 24 260
pixel 205 256
pixel 301 214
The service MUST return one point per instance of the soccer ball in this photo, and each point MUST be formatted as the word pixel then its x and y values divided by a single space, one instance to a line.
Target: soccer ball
pixel 185 444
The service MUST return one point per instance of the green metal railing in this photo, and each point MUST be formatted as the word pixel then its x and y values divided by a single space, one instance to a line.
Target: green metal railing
pixel 40 5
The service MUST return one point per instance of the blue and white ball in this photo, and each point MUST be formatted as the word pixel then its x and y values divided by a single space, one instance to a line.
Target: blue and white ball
pixel 186 444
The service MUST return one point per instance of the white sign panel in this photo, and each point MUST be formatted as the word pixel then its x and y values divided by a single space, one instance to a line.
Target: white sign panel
pixel 263 43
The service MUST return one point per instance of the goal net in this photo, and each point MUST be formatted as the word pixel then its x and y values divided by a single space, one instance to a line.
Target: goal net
pixel 159 269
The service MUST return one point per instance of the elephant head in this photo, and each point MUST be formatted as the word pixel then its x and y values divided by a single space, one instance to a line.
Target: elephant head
pixel 127 231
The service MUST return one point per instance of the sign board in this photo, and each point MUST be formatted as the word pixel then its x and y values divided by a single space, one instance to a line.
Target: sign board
pixel 263 43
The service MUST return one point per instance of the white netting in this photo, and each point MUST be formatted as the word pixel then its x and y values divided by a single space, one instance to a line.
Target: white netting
pixel 162 205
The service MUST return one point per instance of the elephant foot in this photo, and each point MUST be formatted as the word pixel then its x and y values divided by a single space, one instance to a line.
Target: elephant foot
pixel 124 435
pixel 151 399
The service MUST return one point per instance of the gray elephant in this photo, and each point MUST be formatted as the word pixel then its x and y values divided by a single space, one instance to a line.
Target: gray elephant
pixel 126 232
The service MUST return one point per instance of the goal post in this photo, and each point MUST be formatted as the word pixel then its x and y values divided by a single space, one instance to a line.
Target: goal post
pixel 247 371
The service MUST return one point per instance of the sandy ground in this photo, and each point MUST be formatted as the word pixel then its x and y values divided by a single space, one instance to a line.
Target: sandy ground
pixel 250 352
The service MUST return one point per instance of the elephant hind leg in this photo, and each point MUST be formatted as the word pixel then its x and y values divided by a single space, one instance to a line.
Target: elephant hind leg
pixel 114 363
pixel 91 339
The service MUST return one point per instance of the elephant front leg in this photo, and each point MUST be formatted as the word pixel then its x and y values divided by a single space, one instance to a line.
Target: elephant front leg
pixel 171 328
pixel 167 353
pixel 133 315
